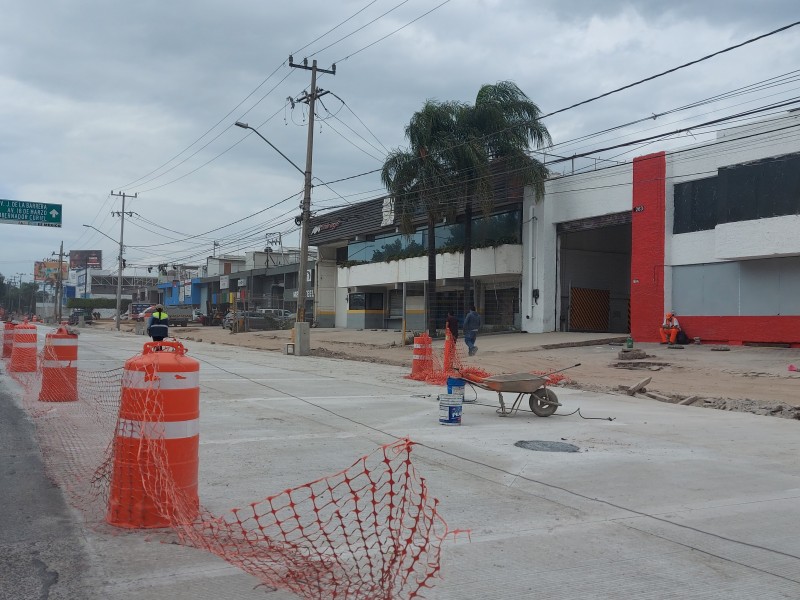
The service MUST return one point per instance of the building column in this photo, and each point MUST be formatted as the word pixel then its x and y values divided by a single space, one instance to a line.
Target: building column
pixel 647 246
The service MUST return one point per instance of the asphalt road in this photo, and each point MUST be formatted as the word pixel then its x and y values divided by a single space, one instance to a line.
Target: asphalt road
pixel 42 553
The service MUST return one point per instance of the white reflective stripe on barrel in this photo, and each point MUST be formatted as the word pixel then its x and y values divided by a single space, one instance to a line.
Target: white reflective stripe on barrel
pixel 422 345
pixel 61 342
pixel 167 430
pixel 56 364
pixel 162 380
pixel 24 344
pixel 422 357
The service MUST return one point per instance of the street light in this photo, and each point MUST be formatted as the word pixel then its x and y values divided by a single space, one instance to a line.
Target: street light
pixel 301 330
pixel 253 129
pixel 119 270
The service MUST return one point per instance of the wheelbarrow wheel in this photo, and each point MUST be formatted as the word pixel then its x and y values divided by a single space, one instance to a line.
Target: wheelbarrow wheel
pixel 544 402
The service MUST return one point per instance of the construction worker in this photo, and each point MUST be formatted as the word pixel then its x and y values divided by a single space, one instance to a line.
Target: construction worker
pixel 669 328
pixel 472 323
pixel 158 324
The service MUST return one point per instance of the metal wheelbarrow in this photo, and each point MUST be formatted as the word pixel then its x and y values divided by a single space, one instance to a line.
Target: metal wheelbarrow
pixel 543 401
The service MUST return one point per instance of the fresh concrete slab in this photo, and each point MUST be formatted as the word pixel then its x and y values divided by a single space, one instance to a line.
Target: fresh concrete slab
pixel 661 501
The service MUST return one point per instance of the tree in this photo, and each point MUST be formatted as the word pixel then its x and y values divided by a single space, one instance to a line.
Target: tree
pixel 420 179
pixel 454 149
pixel 496 134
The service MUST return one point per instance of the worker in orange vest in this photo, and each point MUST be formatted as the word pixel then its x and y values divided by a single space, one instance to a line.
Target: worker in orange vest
pixel 670 327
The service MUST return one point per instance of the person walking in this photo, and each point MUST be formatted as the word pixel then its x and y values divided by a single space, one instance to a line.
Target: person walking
pixel 472 322
pixel 670 327
pixel 452 325
pixel 158 324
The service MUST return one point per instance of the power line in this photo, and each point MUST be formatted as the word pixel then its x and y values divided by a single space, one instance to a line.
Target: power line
pixel 379 17
pixel 230 112
pixel 352 54
pixel 672 70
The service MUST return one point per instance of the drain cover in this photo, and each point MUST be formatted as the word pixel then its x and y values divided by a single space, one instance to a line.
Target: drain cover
pixel 545 446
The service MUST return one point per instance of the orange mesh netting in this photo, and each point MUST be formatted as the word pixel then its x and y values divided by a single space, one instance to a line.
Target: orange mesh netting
pixel 370 531
pixel 435 367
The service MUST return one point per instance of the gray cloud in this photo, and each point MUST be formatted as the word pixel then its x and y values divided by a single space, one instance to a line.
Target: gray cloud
pixel 98 94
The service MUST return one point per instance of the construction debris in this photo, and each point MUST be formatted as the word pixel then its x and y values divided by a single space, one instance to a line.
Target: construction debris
pixel 639 387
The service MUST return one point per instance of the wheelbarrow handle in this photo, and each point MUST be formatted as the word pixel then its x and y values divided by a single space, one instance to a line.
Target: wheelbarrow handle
pixel 559 370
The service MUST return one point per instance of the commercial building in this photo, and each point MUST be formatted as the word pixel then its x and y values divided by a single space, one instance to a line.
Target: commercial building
pixel 708 231
pixel 371 275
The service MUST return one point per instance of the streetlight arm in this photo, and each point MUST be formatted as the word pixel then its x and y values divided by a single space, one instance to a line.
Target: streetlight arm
pixel 101 233
pixel 253 129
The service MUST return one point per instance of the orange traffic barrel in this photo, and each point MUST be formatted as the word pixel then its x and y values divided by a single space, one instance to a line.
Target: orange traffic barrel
pixel 8 339
pixel 155 465
pixel 23 354
pixel 422 362
pixel 60 367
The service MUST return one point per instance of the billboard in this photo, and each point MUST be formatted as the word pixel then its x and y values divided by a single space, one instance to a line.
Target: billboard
pixel 81 259
pixel 46 271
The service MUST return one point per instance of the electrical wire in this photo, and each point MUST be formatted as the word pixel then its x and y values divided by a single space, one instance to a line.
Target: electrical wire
pixel 391 33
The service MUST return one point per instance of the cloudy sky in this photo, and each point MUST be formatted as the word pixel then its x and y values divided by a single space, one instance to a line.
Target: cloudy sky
pixel 142 97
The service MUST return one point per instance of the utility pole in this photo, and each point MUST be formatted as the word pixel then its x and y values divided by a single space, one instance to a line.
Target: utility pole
pixel 121 214
pixel 59 282
pixel 310 99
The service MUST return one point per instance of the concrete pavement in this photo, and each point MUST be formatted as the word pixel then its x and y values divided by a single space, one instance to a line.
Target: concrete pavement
pixel 663 501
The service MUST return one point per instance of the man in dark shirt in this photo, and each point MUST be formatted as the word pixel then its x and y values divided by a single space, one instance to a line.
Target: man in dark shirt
pixel 452 325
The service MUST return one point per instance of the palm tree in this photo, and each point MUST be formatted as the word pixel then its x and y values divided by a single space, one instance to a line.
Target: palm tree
pixel 454 149
pixel 498 131
pixel 420 179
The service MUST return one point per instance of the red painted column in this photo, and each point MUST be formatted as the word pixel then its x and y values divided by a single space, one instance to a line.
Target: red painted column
pixel 647 246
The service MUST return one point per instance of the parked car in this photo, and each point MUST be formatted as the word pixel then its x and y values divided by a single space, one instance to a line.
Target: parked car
pixel 77 313
pixel 255 321
pixel 278 313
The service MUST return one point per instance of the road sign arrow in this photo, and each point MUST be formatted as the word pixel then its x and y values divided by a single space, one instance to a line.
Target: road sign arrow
pixel 54 213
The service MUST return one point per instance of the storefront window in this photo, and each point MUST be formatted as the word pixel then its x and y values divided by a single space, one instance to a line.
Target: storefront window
pixel 366 301
pixel 498 229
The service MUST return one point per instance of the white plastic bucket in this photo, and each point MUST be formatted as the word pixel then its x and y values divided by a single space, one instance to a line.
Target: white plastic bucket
pixel 450 409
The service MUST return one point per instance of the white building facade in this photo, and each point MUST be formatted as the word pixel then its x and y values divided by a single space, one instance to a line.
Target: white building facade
pixel 709 232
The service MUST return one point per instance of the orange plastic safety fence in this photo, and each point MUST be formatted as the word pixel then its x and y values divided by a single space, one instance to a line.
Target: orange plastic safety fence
pixel 370 531
pixel 438 366
pixel 553 378
pixel 450 362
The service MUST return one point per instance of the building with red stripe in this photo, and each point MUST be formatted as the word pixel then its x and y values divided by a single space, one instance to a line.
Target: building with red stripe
pixel 708 231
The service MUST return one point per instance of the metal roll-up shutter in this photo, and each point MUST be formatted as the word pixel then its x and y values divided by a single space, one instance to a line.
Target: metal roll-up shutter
pixel 623 218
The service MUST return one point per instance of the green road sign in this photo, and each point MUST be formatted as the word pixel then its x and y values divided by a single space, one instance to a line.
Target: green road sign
pixel 18 212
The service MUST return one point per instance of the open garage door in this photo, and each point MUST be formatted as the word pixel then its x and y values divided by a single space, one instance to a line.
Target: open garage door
pixel 594 273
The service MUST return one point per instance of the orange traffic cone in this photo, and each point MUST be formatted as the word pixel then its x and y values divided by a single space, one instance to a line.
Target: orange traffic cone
pixel 422 362
pixel 155 466
pixel 23 354
pixel 59 367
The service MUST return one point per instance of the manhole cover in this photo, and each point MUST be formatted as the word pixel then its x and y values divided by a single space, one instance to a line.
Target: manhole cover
pixel 545 446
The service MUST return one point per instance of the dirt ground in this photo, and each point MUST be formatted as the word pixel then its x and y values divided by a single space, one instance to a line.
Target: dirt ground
pixel 753 379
